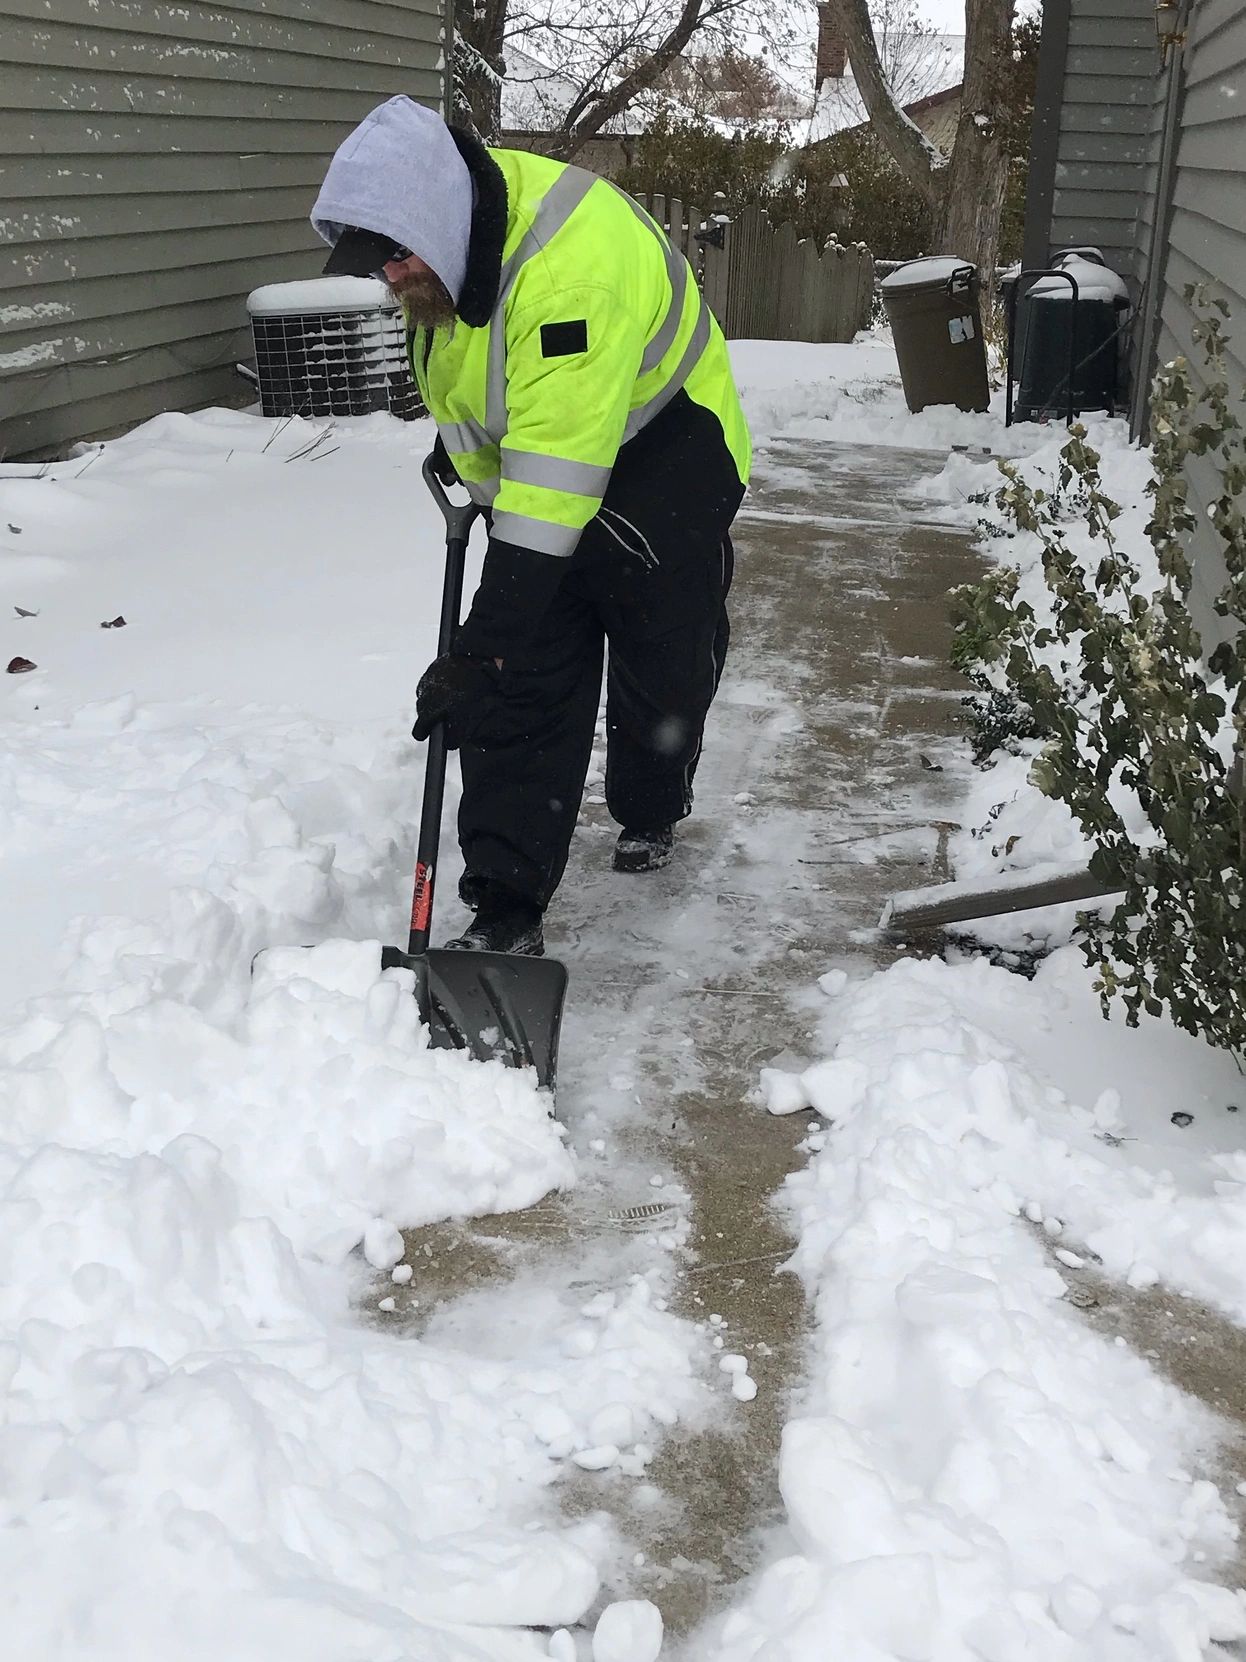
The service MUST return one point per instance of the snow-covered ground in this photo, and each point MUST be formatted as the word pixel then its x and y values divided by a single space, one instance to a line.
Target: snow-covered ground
pixel 207 1452
pixel 974 1470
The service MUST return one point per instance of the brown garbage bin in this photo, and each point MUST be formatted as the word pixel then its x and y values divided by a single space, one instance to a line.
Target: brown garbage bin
pixel 932 306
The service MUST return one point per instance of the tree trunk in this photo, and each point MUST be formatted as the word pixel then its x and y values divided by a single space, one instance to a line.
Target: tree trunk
pixel 910 149
pixel 968 190
pixel 978 176
pixel 480 31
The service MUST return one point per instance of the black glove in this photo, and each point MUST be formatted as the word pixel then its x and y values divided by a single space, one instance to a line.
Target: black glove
pixel 442 466
pixel 457 690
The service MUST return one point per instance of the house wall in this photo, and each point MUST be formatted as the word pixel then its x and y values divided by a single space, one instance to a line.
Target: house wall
pixel 1197 204
pixel 939 118
pixel 1148 160
pixel 157 162
pixel 1098 65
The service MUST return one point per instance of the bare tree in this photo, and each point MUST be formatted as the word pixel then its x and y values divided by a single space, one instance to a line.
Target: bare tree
pixel 968 189
pixel 730 86
pixel 582 64
pixel 915 60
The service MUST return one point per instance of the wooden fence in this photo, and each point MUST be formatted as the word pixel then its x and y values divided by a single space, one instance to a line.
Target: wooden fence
pixel 762 282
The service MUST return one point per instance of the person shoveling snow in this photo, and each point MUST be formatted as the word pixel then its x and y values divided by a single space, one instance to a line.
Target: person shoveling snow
pixel 583 394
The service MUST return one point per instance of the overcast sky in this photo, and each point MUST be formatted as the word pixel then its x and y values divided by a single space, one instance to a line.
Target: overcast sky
pixel 948 16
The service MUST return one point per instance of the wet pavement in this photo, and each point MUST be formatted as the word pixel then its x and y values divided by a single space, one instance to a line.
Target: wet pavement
pixel 813 804
pixel 820 793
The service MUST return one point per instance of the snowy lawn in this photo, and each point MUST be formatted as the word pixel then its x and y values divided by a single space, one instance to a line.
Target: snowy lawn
pixel 205 1453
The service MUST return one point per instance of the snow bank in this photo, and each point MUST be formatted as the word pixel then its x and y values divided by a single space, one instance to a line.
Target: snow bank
pixel 852 393
pixel 975 1472
pixel 205 1453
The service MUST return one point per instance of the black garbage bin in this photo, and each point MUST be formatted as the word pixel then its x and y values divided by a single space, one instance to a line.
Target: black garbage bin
pixel 932 307
pixel 1067 339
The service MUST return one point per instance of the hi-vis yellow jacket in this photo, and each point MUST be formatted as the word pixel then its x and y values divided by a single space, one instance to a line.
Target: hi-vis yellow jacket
pixel 598 323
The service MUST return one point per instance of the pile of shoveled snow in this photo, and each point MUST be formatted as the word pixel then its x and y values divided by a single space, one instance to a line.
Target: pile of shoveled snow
pixel 975 1472
pixel 852 392
pixel 204 1452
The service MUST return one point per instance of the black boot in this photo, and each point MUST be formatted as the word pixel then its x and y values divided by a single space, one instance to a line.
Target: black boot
pixel 644 850
pixel 504 922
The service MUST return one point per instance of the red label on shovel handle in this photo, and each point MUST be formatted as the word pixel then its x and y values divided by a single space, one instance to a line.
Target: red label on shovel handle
pixel 422 900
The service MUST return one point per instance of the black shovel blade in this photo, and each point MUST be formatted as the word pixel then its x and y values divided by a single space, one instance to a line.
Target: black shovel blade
pixel 497 1006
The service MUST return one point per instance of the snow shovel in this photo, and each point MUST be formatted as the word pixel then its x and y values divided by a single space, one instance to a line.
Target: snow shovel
pixel 496 1005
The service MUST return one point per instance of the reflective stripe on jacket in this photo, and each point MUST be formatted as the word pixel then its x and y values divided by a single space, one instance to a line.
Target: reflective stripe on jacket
pixel 598 323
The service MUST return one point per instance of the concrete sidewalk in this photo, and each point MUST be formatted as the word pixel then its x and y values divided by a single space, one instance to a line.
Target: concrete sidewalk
pixel 839 684
pixel 812 805
pixel 819 794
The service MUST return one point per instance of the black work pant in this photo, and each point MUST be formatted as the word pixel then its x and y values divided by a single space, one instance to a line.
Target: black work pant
pixel 650 576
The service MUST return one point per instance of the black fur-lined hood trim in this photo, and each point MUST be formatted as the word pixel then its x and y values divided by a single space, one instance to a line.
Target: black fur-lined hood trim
pixel 488 234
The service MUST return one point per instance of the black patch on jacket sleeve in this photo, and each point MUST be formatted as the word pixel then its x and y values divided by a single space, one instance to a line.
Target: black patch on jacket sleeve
pixel 562 340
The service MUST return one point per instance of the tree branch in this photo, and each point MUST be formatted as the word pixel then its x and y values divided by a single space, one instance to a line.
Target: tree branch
pixel 591 110
pixel 915 156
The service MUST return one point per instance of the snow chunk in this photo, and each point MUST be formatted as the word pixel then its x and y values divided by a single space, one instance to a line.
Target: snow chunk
pixel 782 1092
pixel 629 1630
pixel 597 1459
pixel 382 1244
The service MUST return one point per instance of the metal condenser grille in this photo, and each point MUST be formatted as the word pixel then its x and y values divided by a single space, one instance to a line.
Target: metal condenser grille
pixel 334 363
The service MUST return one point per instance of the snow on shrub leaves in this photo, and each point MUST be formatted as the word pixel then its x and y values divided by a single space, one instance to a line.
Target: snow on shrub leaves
pixel 1115 678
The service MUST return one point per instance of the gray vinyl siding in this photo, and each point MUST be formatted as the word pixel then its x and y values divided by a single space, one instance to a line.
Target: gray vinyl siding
pixel 1111 64
pixel 1206 235
pixel 157 162
pixel 1167 215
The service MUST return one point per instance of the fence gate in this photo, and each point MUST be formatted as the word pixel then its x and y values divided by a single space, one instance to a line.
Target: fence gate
pixel 763 282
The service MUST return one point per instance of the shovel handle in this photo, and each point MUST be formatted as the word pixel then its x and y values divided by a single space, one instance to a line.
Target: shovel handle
pixel 459 519
pixel 459 516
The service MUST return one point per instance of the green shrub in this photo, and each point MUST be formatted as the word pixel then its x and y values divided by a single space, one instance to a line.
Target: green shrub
pixel 1116 680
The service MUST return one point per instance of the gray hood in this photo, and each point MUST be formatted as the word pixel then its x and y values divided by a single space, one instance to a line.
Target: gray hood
pixel 400 174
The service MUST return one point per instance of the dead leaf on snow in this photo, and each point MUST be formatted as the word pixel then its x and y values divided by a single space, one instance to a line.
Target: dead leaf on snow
pixel 22 612
pixel 117 623
pixel 20 666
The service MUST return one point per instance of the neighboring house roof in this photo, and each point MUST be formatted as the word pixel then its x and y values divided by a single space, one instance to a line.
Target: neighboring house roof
pixel 534 95
pixel 925 70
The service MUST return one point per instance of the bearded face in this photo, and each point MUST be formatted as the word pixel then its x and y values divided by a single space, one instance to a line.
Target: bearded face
pixel 423 297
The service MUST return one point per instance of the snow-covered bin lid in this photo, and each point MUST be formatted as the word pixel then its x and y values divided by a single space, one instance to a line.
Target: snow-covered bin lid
pixel 917 274
pixel 1094 282
pixel 321 294
pixel 1080 251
